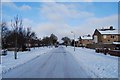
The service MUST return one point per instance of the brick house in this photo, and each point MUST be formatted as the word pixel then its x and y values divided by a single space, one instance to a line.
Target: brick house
pixel 106 36
pixel 84 40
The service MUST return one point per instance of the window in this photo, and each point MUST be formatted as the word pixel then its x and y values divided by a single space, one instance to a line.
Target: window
pixel 104 36
pixel 112 36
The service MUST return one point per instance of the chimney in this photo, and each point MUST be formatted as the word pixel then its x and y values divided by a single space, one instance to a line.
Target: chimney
pixel 111 27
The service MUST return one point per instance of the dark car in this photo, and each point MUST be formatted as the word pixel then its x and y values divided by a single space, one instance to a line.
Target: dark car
pixel 56 46
pixel 4 52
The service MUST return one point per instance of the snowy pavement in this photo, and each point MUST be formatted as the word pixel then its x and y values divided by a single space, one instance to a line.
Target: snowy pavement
pixel 9 63
pixel 58 63
pixel 96 64
pixel 61 62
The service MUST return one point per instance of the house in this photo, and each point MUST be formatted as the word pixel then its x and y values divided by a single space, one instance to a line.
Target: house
pixel 86 39
pixel 106 35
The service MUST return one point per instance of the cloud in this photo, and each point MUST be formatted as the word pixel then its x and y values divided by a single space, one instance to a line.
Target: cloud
pixel 46 29
pixel 88 27
pixel 58 12
pixel 57 17
pixel 97 23
pixel 9 4
pixel 6 0
pixel 12 5
pixel 25 7
pixel 28 22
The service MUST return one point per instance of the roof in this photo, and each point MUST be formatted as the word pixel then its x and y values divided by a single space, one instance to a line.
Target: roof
pixel 109 31
pixel 86 37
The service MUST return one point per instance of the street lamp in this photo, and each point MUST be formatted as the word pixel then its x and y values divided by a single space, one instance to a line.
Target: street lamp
pixel 74 39
pixel 15 53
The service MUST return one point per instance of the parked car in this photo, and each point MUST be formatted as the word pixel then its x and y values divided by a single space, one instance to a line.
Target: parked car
pixel 56 46
pixel 102 50
pixel 114 53
pixel 4 52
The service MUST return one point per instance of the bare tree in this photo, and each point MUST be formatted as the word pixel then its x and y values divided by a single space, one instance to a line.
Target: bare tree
pixel 4 34
pixel 66 40
pixel 18 36
pixel 15 25
pixel 53 39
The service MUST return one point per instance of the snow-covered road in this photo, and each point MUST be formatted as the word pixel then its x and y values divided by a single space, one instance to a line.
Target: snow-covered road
pixel 57 63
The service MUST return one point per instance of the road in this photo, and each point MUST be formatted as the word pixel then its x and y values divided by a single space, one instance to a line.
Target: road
pixel 58 63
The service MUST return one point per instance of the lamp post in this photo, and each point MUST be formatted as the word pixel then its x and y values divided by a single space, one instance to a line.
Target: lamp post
pixel 74 39
pixel 15 53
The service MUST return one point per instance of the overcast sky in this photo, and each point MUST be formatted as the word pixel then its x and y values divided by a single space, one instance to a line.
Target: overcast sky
pixel 60 18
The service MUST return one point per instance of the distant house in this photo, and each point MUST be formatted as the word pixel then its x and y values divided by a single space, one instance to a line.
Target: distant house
pixel 86 39
pixel 106 36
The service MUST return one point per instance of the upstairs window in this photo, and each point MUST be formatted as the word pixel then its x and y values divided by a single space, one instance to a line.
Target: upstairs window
pixel 112 36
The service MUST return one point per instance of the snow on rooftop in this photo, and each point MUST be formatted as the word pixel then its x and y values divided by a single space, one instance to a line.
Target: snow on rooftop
pixel 86 37
pixel 109 31
pixel 116 42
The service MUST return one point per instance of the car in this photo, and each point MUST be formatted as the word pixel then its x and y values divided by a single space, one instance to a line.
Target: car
pixel 56 46
pixel 4 52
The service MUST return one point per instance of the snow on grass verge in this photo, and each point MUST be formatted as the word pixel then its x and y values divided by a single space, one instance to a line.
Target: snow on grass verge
pixel 96 64
pixel 0 71
pixel 8 61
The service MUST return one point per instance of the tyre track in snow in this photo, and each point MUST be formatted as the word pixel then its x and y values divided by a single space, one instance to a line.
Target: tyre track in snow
pixel 58 63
